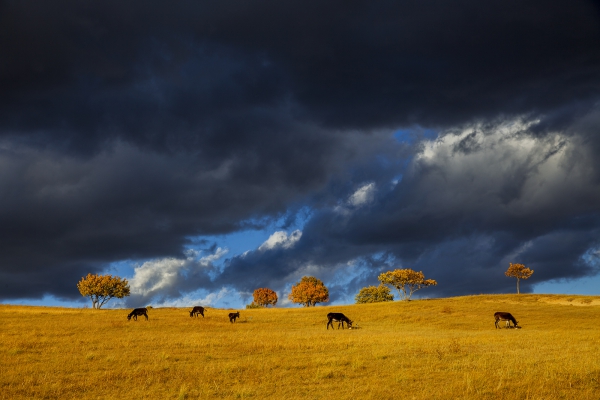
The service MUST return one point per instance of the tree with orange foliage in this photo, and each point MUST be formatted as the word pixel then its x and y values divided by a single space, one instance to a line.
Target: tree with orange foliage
pixel 406 281
pixel 309 291
pixel 518 271
pixel 102 288
pixel 265 296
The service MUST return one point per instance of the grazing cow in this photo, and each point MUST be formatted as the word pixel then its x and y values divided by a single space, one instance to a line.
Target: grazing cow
pixel 339 318
pixel 504 316
pixel 233 316
pixel 138 312
pixel 197 310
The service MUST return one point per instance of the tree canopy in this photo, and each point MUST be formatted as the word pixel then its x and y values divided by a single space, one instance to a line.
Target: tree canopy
pixel 374 294
pixel 518 271
pixel 309 291
pixel 102 288
pixel 406 281
pixel 265 296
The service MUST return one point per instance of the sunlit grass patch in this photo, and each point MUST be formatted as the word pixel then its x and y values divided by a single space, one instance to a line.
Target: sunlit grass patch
pixel 434 349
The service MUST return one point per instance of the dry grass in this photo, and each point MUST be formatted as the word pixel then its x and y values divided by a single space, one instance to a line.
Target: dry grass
pixel 427 349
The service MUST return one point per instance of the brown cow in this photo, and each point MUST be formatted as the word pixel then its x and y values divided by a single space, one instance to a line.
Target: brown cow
pixel 339 318
pixel 197 310
pixel 233 316
pixel 138 312
pixel 504 316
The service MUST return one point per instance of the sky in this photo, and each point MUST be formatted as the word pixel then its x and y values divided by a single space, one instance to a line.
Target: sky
pixel 205 149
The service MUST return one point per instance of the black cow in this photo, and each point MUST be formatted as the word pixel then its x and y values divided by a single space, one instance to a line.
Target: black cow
pixel 233 316
pixel 504 316
pixel 138 312
pixel 339 318
pixel 197 310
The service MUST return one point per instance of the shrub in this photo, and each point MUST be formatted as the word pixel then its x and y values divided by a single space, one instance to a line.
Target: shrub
pixel 374 294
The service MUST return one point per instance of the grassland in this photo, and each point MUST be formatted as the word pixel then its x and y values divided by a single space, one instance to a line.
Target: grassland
pixel 424 349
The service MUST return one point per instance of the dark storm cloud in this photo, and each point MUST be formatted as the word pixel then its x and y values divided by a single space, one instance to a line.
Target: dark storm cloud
pixel 156 73
pixel 125 203
pixel 460 217
pixel 126 128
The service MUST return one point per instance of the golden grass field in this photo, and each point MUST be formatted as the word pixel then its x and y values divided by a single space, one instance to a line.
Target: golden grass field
pixel 422 349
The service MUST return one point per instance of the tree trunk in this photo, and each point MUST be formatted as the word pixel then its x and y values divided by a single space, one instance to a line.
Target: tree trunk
pixel 518 291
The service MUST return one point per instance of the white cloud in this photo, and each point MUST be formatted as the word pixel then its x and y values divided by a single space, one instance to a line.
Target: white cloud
pixel 502 168
pixel 281 239
pixel 197 299
pixel 153 277
pixel 363 195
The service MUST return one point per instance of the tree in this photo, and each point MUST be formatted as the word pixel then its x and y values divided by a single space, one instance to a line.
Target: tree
pixel 374 294
pixel 265 296
pixel 102 288
pixel 406 281
pixel 309 291
pixel 518 271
